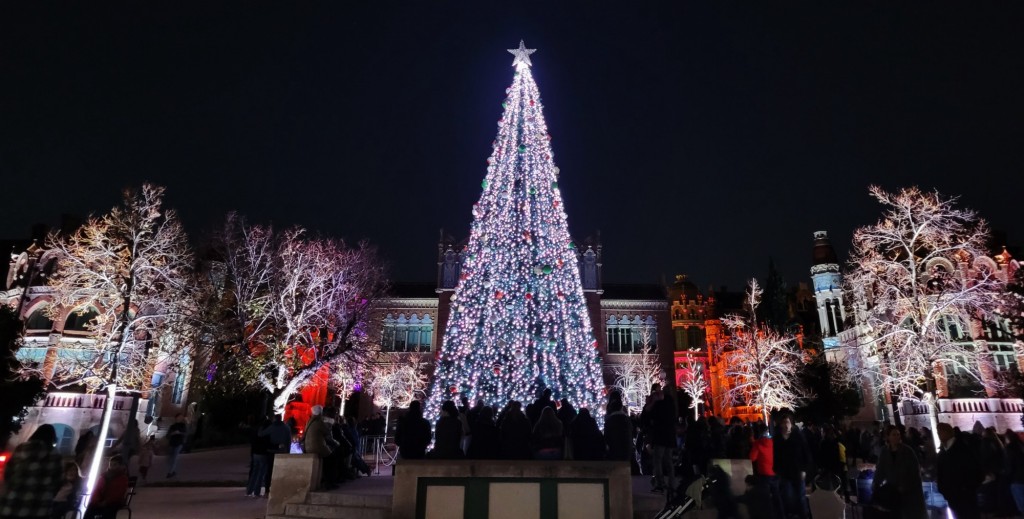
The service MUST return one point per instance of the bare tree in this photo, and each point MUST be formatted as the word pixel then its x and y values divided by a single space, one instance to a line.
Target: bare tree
pixel 397 380
pixel 642 370
pixel 694 384
pixel 132 266
pixel 761 363
pixel 298 303
pixel 915 275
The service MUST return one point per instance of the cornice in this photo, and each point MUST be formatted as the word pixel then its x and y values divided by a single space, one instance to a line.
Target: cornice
pixel 634 304
pixel 408 302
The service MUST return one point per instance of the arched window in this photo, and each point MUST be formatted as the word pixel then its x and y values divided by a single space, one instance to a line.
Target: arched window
pixel 79 320
pixel 39 322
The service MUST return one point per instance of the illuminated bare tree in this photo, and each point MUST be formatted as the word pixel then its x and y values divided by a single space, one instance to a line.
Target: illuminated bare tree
pixel 396 380
pixel 298 304
pixel 913 274
pixel 347 380
pixel 760 362
pixel 132 266
pixel 635 376
pixel 694 384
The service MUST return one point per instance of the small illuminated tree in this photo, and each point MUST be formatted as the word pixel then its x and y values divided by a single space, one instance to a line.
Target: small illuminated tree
pixel 347 381
pixel 133 267
pixel 762 363
pixel 397 380
pixel 635 377
pixel 912 273
pixel 694 384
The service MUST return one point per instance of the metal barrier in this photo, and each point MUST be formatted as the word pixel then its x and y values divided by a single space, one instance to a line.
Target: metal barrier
pixel 378 447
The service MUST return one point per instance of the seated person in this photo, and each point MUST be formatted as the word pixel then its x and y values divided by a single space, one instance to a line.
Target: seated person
pixel 69 492
pixel 110 492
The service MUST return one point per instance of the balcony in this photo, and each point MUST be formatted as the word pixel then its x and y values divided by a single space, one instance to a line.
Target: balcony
pixel 83 401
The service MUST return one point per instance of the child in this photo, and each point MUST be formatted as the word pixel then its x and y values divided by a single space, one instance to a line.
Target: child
pixel 146 456
pixel 69 492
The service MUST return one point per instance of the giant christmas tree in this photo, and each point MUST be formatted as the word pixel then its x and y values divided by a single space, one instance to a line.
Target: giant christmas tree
pixel 519 320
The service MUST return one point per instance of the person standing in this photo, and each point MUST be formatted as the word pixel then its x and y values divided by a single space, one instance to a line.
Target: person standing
pixel 762 460
pixel 486 444
pixel 958 473
pixel 585 438
pixel 175 442
pixel 32 476
pixel 279 439
pixel 547 439
pixel 618 432
pixel 661 425
pixel 1015 460
pixel 448 433
pixel 413 433
pixel 515 433
pixel 318 440
pixel 258 446
pixel 792 459
pixel 897 483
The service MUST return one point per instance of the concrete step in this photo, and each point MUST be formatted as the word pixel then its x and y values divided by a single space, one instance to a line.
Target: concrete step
pixel 350 500
pixel 310 511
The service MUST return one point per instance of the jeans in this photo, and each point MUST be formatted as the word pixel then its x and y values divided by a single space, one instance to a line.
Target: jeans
pixel 1017 491
pixel 771 484
pixel 794 496
pixel 257 474
pixel 662 460
pixel 172 459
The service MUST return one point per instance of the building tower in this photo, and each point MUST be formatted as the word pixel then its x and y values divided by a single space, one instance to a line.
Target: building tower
pixel 828 289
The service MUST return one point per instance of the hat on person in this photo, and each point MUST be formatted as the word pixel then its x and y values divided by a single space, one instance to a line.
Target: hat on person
pixel 317 410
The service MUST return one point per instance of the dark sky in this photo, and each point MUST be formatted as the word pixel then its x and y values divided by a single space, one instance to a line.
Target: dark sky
pixel 699 138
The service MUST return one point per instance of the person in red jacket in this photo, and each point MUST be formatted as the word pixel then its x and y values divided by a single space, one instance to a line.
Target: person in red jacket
pixel 762 457
pixel 111 489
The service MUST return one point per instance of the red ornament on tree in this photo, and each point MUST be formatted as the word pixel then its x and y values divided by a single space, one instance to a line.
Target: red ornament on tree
pixel 498 294
pixel 497 371
pixel 529 295
pixel 561 296
pixel 560 262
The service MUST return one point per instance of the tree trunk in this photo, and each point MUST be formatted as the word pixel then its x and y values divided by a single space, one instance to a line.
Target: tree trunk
pixel 97 456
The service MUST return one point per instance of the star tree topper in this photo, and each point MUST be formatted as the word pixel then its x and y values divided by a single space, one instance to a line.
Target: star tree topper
pixel 522 55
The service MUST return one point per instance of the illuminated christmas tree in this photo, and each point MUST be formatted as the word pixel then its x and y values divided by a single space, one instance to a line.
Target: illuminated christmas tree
pixel 519 321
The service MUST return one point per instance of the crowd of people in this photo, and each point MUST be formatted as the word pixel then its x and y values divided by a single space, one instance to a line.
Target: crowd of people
pixel 40 484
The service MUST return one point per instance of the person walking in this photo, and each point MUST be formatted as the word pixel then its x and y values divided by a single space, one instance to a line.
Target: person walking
pixel 958 473
pixel 175 442
pixel 792 459
pixel 32 476
pixel 413 433
pixel 146 457
pixel 897 484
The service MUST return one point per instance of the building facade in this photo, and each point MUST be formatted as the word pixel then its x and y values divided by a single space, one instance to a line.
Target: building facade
pixel 50 333
pixel 962 400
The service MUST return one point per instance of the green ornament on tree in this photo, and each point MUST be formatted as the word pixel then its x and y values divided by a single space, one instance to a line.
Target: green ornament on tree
pixel 522 148
pixel 484 184
pixel 548 269
pixel 554 185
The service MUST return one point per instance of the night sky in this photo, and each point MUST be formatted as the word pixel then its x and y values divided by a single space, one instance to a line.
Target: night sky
pixel 699 138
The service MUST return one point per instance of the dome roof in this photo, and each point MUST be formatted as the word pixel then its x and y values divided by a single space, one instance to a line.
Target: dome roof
pixel 823 254
pixel 683 288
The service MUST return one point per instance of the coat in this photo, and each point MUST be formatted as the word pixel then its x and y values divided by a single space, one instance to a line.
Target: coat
pixel 412 436
pixel 32 477
pixel 958 471
pixel 485 444
pixel 791 456
pixel 586 439
pixel 448 438
pixel 618 436
pixel 762 457
pixel 318 439
pixel 902 470
pixel 515 437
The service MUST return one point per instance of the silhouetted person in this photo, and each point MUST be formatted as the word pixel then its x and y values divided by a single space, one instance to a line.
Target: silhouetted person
pixel 586 439
pixel 32 476
pixel 958 473
pixel 448 433
pixel 515 434
pixel 618 432
pixel 413 433
pixel 547 439
pixel 486 444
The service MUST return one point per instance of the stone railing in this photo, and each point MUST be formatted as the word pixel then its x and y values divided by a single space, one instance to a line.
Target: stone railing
pixel 476 488
pixel 1001 413
pixel 83 401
